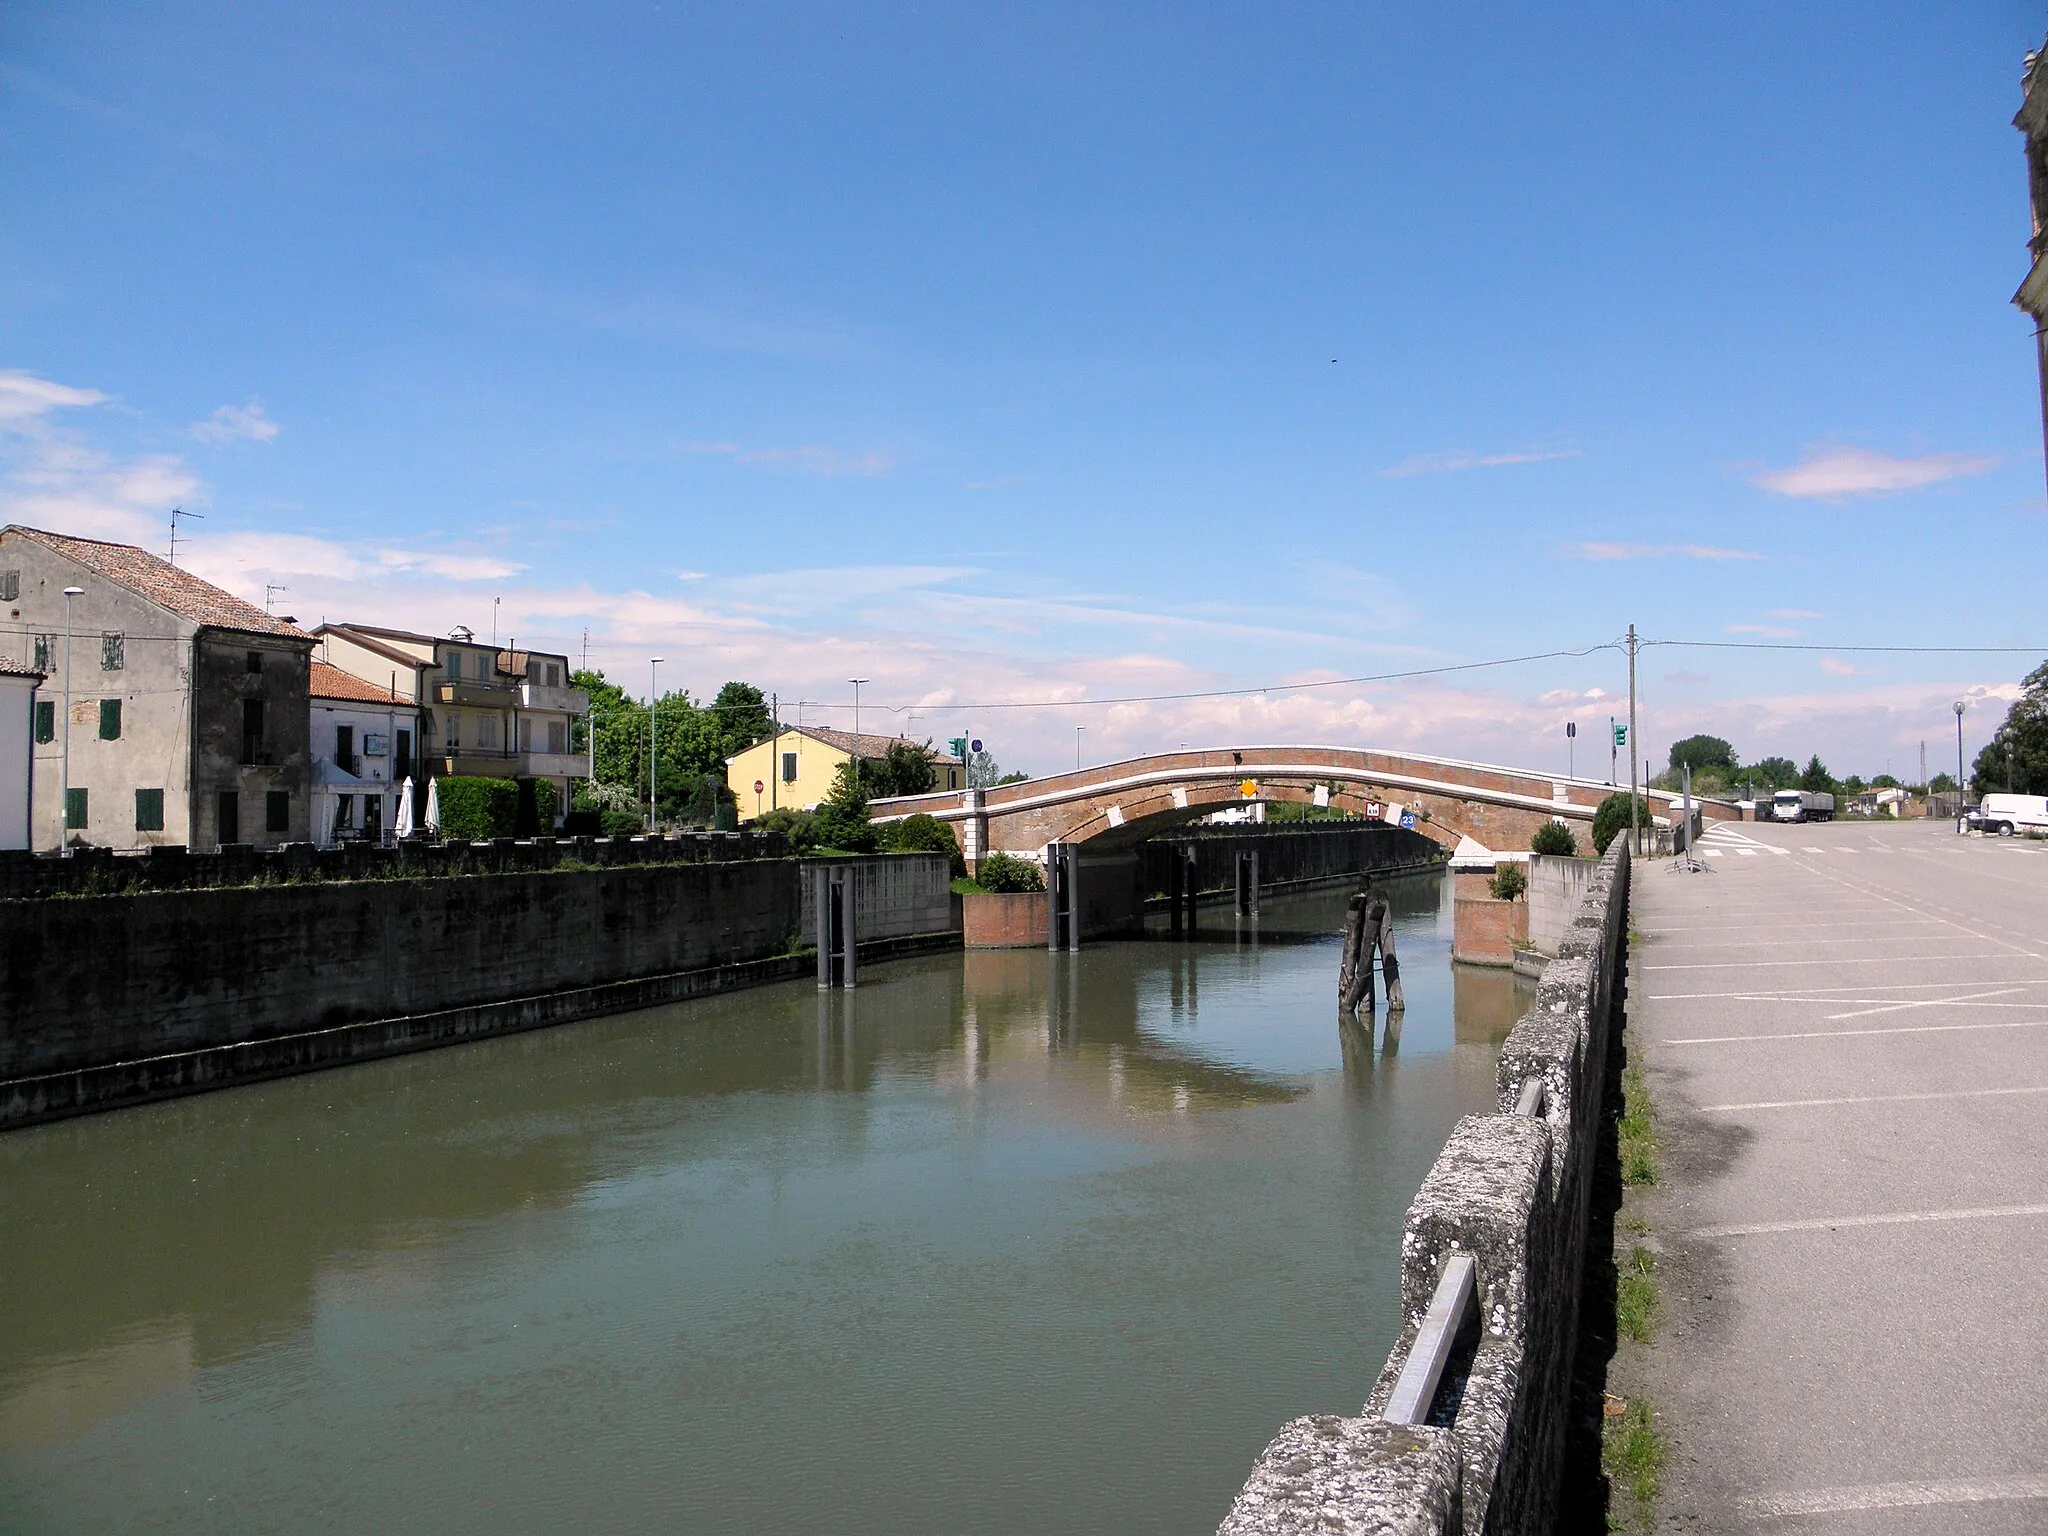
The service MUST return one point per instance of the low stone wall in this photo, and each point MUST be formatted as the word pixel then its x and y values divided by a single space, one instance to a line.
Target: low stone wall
pixel 1513 1192
pixel 112 999
pixel 1557 889
pixel 1484 929
pixel 1003 920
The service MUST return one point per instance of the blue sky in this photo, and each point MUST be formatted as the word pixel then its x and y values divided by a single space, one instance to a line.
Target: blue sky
pixel 1006 354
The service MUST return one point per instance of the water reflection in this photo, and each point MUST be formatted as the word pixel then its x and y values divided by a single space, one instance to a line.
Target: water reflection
pixel 1006 1240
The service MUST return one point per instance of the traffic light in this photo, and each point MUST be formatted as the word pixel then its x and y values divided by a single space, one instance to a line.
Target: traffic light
pixel 1621 735
pixel 958 746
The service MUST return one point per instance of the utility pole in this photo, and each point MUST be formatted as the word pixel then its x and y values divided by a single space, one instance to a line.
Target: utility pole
pixel 64 810
pixel 1571 746
pixel 774 747
pixel 653 740
pixel 857 681
pixel 1960 706
pixel 1613 747
pixel 1634 810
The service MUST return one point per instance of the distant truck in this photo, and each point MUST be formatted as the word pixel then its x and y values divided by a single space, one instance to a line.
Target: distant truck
pixel 1802 805
pixel 2007 814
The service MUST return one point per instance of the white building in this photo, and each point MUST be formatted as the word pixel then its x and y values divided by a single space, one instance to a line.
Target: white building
pixel 364 749
pixel 17 754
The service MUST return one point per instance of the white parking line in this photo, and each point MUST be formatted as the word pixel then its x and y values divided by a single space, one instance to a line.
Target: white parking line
pixel 1835 1501
pixel 1812 994
pixel 1929 1002
pixel 1845 1034
pixel 1875 1098
pixel 1899 1218
pixel 1728 965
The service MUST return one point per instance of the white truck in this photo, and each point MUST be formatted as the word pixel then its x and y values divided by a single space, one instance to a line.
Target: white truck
pixel 1802 805
pixel 2007 814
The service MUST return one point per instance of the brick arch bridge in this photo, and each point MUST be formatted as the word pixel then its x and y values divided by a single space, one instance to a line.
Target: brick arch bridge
pixel 1113 806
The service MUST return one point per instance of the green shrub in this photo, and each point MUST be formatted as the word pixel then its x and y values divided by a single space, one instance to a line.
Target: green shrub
pixel 478 809
pixel 923 834
pixel 842 818
pixel 1554 838
pixel 536 814
pixel 1002 872
pixel 800 827
pixel 1508 882
pixel 1612 819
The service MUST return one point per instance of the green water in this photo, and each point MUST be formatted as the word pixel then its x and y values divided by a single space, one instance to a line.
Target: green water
pixel 997 1243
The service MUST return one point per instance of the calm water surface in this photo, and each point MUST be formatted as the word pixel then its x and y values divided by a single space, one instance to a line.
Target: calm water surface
pixel 1001 1243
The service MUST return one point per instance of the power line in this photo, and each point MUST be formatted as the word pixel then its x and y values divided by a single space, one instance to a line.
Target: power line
pixel 1903 650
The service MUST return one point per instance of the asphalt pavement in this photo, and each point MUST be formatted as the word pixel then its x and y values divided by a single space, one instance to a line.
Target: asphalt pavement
pixel 1845 1028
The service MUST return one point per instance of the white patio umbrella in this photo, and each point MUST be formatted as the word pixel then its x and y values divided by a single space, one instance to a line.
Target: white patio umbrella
pixel 434 806
pixel 402 826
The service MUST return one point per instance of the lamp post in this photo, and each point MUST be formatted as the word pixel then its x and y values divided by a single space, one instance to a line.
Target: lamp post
pixel 857 681
pixel 1571 746
pixel 64 804
pixel 1960 706
pixel 1077 746
pixel 653 740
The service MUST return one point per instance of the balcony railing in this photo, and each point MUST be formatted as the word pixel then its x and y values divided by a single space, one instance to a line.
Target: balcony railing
pixel 570 701
pixel 479 695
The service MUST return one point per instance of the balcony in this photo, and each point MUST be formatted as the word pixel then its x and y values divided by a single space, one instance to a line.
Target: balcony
pixel 476 695
pixel 568 701
pixel 554 765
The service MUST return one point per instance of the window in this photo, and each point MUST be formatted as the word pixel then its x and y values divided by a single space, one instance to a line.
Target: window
pixel 228 810
pixel 10 586
pixel 344 814
pixel 487 733
pixel 74 810
pixel 255 661
pixel 277 811
pixel 558 735
pixel 454 666
pixel 454 731
pixel 252 731
pixel 373 817
pixel 112 652
pixel 554 675
pixel 345 747
pixel 402 765
pixel 525 733
pixel 149 810
pixel 789 767
pixel 46 647
pixel 110 719
pixel 46 719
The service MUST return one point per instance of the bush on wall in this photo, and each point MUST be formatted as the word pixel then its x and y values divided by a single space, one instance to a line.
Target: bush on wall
pixel 1612 818
pixel 1508 883
pixel 1554 837
pixel 1003 873
pixel 478 809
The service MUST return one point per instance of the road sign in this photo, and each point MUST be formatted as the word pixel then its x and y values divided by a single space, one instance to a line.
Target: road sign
pixel 974 745
pixel 958 746
pixel 759 786
pixel 1621 735
pixel 1249 789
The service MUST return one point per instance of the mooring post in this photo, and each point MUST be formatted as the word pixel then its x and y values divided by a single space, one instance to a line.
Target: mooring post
pixel 821 906
pixel 1176 878
pixel 1073 898
pixel 1255 881
pixel 1194 887
pixel 1390 966
pixel 849 909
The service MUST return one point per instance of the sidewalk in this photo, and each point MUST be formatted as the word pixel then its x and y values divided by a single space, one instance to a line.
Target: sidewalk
pixel 1845 1029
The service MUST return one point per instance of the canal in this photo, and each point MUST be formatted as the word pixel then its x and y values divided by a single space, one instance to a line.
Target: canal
pixel 1001 1242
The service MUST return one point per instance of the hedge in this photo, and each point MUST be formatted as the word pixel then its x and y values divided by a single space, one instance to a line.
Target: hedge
pixel 477 809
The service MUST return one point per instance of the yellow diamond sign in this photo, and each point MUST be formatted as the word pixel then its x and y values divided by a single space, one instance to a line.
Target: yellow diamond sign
pixel 1249 789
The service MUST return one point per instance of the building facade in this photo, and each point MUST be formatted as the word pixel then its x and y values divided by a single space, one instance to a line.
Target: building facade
pixel 17 752
pixel 171 712
pixel 795 769
pixel 482 710
pixel 364 750
pixel 2032 297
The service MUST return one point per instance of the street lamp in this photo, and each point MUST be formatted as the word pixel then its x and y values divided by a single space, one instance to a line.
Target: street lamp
pixel 1077 746
pixel 653 739
pixel 1960 706
pixel 857 681
pixel 64 807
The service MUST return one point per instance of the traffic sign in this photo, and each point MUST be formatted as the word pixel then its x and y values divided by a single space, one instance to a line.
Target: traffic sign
pixel 1249 789
pixel 1621 735
pixel 759 786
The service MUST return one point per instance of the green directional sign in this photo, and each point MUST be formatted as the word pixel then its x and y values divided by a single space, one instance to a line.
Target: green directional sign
pixel 1621 735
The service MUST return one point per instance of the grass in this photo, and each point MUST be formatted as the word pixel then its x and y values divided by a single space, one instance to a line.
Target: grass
pixel 1635 1295
pixel 1632 1453
pixel 965 885
pixel 1638 1136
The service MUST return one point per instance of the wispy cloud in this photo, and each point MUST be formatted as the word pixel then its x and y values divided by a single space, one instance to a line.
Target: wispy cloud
pixel 450 567
pixel 1601 549
pixel 809 459
pixel 1792 613
pixel 1760 631
pixel 236 424
pixel 1834 666
pixel 1464 458
pixel 1838 472
pixel 23 395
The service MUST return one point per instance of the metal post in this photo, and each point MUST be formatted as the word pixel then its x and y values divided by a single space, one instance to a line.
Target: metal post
pixel 849 927
pixel 1073 898
pixel 1960 705
pixel 653 742
pixel 64 800
pixel 1194 888
pixel 774 747
pixel 1055 879
pixel 1255 882
pixel 1634 810
pixel 821 902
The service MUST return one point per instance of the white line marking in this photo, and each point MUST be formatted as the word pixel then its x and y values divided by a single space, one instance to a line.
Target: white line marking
pixel 1729 965
pixel 1893 1219
pixel 1809 994
pixel 1927 1002
pixel 1809 848
pixel 1715 853
pixel 1832 1501
pixel 1876 1098
pixel 1844 1034
pixel 1746 853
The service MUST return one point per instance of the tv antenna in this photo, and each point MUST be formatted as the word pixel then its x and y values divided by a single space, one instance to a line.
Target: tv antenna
pixel 270 591
pixel 176 513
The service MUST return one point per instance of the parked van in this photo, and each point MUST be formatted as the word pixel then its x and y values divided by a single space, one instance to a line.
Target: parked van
pixel 2007 814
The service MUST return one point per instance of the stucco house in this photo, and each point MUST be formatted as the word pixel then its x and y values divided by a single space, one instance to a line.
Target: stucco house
pixel 363 752
pixel 17 754
pixel 171 712
pixel 796 768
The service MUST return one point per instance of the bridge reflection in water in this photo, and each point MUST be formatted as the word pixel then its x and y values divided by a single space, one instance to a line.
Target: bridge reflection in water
pixel 1003 1241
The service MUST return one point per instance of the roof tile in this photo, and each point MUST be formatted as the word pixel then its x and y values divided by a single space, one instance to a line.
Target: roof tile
pixel 156 579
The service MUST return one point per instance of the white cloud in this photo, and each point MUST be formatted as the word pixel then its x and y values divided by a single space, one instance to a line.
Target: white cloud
pixel 1599 549
pixel 809 459
pixel 449 567
pixel 23 395
pixel 236 424
pixel 1793 613
pixel 1836 473
pixel 1834 666
pixel 1460 458
pixel 1761 631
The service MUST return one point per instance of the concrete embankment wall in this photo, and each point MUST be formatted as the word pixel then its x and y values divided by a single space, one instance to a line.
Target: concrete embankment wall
pixel 1557 889
pixel 1514 1192
pixel 112 999
pixel 1289 854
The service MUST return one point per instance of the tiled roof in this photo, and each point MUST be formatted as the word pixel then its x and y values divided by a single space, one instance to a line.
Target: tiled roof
pixel 357 634
pixel 333 683
pixel 863 745
pixel 9 669
pixel 160 582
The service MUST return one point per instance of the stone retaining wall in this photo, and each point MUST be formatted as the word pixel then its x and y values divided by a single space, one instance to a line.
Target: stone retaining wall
pixel 1514 1193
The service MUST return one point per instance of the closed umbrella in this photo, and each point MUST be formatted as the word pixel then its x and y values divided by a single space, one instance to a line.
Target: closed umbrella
pixel 434 806
pixel 402 827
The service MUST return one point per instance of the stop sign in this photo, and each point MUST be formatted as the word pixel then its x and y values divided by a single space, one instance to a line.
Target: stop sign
pixel 759 786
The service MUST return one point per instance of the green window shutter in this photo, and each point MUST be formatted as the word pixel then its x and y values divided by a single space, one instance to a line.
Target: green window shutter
pixel 113 652
pixel 110 719
pixel 149 810
pixel 46 719
pixel 74 810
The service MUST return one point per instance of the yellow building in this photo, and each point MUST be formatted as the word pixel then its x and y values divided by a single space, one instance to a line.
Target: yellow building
pixel 794 771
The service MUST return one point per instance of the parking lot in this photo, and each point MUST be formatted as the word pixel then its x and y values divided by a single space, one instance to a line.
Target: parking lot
pixel 1845 1027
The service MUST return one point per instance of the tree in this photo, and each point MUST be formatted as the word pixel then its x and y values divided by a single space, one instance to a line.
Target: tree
pixel 922 834
pixel 1702 752
pixel 1611 819
pixel 1014 777
pixel 1884 781
pixel 1509 882
pixel 742 716
pixel 1002 872
pixel 842 819
pixel 1554 838
pixel 1816 778
pixel 2020 744
pixel 1775 772
pixel 1853 785
pixel 905 769
pixel 1942 784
